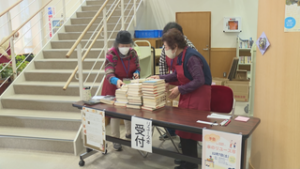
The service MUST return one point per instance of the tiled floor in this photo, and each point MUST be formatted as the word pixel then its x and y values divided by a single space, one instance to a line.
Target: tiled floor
pixel 127 159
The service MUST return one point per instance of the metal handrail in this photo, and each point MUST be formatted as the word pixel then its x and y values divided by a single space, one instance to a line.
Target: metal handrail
pixel 86 29
pixel 88 50
pixel 16 30
pixel 8 9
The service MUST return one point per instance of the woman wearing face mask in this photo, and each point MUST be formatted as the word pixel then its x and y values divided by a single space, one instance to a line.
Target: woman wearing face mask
pixel 194 76
pixel 121 62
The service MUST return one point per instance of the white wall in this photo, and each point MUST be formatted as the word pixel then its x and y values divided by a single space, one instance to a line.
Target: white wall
pixel 71 7
pixel 160 12
pixel 18 20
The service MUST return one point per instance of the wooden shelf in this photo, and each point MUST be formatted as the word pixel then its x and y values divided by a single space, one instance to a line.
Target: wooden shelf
pixel 245 49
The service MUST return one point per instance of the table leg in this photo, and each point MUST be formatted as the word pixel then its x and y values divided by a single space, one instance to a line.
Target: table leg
pixel 244 154
pixel 168 134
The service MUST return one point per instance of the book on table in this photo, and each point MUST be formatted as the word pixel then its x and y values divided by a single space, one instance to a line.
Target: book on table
pixel 120 103
pixel 152 108
pixel 133 106
pixel 105 99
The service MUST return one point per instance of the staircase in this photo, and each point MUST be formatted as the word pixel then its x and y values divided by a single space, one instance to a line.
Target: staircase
pixel 35 113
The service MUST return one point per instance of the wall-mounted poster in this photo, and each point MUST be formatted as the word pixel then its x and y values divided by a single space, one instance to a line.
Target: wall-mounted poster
pixel 292 16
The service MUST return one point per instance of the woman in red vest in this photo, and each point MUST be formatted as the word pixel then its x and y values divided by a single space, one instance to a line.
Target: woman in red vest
pixel 194 77
pixel 121 62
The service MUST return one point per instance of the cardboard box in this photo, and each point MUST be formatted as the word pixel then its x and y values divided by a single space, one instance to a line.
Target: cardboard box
pixel 241 75
pixel 240 90
pixel 219 81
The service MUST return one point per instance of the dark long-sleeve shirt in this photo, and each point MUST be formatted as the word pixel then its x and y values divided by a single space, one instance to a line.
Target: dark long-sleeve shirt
pixel 195 68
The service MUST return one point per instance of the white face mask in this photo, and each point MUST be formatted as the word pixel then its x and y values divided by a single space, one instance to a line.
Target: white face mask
pixel 170 54
pixel 124 50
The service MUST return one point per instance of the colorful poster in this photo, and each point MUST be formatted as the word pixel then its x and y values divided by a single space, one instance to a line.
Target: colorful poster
pixel 141 131
pixel 221 150
pixel 292 16
pixel 93 124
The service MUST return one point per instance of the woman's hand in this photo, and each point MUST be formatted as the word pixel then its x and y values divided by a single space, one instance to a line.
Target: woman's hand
pixel 154 77
pixel 136 76
pixel 174 93
pixel 119 84
pixel 167 87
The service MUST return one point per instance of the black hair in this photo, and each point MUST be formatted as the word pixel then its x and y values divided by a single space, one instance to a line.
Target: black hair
pixel 123 37
pixel 171 25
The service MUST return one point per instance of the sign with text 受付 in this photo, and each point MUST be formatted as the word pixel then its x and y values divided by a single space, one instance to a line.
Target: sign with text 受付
pixel 141 134
pixel 221 150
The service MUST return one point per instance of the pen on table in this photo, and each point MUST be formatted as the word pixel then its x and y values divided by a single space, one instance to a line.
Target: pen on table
pixel 213 123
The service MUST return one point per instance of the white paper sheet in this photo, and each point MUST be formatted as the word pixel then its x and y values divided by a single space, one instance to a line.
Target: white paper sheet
pixel 94 129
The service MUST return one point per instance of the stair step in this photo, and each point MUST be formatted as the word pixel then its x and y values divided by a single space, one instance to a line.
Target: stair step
pixel 61 53
pixel 87 20
pixel 117 12
pixel 41 123
pixel 100 2
pixel 59 75
pixel 75 35
pixel 38 102
pixel 51 88
pixel 67 44
pixel 37 139
pixel 67 63
pixel 80 28
pixel 38 133
pixel 98 6
pixel 41 114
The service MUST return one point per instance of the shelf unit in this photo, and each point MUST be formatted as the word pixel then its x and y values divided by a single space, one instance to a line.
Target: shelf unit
pixel 250 67
pixel 243 52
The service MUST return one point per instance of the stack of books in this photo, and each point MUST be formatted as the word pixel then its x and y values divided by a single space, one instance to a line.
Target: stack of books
pixel 134 96
pixel 121 96
pixel 154 94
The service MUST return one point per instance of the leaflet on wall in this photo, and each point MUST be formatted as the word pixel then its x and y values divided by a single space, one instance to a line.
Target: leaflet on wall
pixel 141 134
pixel 292 16
pixel 93 123
pixel 221 150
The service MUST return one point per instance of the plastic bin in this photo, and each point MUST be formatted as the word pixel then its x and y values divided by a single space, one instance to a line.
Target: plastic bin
pixel 148 33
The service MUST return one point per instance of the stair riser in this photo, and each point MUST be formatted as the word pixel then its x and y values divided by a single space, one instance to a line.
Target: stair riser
pixel 100 2
pixel 58 77
pixel 38 105
pixel 68 45
pixel 75 36
pixel 74 28
pixel 98 20
pixel 39 123
pixel 44 90
pixel 37 144
pixel 92 14
pixel 62 54
pixel 87 65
